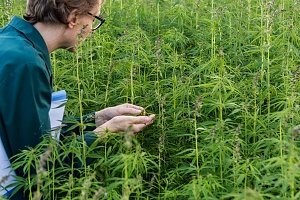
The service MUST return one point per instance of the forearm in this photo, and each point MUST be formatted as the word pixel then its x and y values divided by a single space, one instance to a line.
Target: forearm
pixel 74 125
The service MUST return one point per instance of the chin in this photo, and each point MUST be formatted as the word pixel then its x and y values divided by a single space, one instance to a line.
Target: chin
pixel 71 49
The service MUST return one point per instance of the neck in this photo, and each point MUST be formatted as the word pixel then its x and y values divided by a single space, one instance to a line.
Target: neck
pixel 51 34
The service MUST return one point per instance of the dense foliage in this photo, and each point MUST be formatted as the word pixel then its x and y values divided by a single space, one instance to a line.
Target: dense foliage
pixel 221 77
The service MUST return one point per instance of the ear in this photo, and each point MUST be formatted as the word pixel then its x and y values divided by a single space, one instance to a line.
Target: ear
pixel 72 19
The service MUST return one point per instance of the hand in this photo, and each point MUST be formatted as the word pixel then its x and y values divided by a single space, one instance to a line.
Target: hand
pixel 126 124
pixel 107 114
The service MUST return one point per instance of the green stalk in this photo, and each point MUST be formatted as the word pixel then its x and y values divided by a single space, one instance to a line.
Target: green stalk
pixel 158 16
pixel 174 85
pixel 196 147
pixel 262 49
pixel 93 69
pixel 248 15
pixel 54 67
pixel 132 77
pixel 53 171
pixel 268 37
pixel 108 81
pixel 213 31
pixel 160 108
pixel 80 94
pixel 255 107
pixel 29 183
pixel 286 80
pixel 197 6
pixel 126 190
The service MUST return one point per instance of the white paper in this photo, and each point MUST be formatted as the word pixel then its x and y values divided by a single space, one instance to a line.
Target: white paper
pixel 5 170
pixel 56 112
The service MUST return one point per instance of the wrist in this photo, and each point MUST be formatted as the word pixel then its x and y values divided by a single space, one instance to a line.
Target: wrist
pixel 100 118
pixel 101 132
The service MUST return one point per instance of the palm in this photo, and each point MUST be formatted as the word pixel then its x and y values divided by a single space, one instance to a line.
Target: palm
pixel 111 112
pixel 132 124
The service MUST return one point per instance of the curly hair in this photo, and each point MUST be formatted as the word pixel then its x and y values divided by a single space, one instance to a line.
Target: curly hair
pixel 56 11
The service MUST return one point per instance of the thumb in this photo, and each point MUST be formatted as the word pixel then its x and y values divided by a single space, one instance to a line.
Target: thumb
pixel 143 119
pixel 131 111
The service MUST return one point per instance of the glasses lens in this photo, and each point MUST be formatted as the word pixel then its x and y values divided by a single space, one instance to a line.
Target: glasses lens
pixel 96 23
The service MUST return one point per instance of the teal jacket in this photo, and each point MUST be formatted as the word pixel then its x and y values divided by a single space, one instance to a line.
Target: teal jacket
pixel 25 87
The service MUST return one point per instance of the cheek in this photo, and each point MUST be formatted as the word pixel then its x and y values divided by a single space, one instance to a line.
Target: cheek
pixel 83 32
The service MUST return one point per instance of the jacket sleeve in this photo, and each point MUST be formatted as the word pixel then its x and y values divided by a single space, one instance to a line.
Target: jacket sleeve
pixel 25 106
pixel 73 126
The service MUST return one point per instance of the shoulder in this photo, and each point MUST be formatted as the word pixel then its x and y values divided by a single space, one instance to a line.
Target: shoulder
pixel 20 59
pixel 22 42
pixel 18 49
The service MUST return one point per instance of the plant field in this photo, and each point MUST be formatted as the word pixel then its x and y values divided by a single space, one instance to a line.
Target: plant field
pixel 222 78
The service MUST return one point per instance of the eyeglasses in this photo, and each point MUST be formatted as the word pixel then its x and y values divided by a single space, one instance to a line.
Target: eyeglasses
pixel 98 21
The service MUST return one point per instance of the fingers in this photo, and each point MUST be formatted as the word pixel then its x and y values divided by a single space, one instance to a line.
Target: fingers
pixel 135 128
pixel 127 123
pixel 141 122
pixel 129 109
pixel 131 123
pixel 138 127
pixel 142 119
pixel 151 119
pixel 128 105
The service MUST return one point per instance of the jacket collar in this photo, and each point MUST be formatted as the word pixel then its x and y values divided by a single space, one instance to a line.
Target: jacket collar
pixel 33 35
